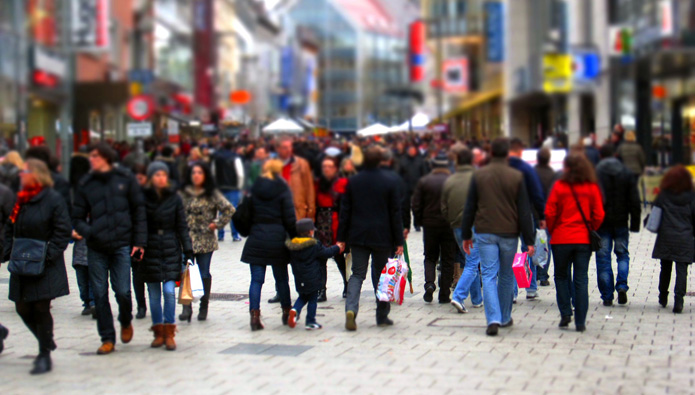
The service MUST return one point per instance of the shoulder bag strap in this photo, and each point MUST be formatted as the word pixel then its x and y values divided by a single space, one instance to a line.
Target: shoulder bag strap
pixel 579 206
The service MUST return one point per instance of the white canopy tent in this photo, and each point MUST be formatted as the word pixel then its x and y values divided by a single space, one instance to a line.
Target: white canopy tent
pixel 374 130
pixel 283 125
pixel 420 122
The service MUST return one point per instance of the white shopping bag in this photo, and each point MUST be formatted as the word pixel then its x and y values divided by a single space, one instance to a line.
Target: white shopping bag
pixel 196 281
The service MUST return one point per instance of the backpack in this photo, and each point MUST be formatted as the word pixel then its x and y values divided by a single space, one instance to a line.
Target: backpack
pixel 243 216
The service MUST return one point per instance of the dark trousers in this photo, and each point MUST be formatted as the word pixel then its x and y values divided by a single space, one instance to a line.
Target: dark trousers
pixel 115 265
pixel 203 261
pixel 138 287
pixel 439 240
pixel 340 262
pixel 282 285
pixel 312 300
pixel 37 317
pixel 360 265
pixel 572 258
pixel 681 278
pixel 86 294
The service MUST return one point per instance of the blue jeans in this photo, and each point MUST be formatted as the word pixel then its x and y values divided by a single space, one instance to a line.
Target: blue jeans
pixel 614 240
pixel 496 258
pixel 86 294
pixel 168 314
pixel 572 275
pixel 203 262
pixel 282 285
pixel 233 198
pixel 117 265
pixel 470 278
pixel 310 299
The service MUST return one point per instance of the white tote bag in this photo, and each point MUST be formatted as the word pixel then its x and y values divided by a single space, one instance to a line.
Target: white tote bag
pixel 196 281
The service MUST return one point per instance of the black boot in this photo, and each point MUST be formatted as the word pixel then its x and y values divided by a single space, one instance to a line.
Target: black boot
pixel 678 305
pixel 663 299
pixel 42 364
pixel 322 296
pixel 142 312
pixel 203 313
pixel 186 313
pixel 274 299
pixel 4 332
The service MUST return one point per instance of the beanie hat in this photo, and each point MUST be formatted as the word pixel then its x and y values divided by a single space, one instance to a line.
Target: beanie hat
pixel 441 160
pixel 154 167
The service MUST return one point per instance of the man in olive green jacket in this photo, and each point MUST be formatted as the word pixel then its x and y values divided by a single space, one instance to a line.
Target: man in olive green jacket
pixel 454 196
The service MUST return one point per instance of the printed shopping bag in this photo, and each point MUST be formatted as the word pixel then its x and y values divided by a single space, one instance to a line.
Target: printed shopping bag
pixel 522 270
pixel 185 293
pixel 393 281
pixel 197 290
pixel 348 265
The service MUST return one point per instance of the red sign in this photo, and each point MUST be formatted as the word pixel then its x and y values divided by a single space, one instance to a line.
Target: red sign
pixel 417 51
pixel 456 75
pixel 47 80
pixel 42 21
pixel 240 97
pixel 140 107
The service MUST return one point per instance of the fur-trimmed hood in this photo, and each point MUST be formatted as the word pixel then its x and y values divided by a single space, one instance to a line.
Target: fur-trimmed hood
pixel 300 243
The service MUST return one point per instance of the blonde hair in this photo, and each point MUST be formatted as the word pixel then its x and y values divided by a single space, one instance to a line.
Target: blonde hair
pixel 197 152
pixel 630 136
pixel 40 172
pixel 14 158
pixel 272 168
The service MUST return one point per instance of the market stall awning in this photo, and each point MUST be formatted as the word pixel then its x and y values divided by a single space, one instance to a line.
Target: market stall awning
pixel 420 122
pixel 374 130
pixel 283 125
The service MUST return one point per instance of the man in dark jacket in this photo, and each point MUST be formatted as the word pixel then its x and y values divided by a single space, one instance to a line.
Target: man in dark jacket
pixel 370 222
pixel 498 206
pixel 437 236
pixel 412 168
pixel 621 203
pixel 537 199
pixel 229 175
pixel 109 212
pixel 547 175
pixel 387 166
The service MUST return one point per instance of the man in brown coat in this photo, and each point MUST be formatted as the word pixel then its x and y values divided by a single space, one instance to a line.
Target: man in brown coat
pixel 297 173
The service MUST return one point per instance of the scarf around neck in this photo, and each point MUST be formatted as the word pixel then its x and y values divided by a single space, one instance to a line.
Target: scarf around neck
pixel 23 197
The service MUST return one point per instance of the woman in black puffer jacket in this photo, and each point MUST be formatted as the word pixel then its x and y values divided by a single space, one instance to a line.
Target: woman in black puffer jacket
pixel 167 241
pixel 675 240
pixel 40 213
pixel 272 220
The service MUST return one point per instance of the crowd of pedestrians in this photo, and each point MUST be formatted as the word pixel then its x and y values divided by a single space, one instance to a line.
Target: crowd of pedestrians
pixel 139 215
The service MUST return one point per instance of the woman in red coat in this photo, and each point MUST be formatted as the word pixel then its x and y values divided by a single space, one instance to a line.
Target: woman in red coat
pixel 329 190
pixel 569 236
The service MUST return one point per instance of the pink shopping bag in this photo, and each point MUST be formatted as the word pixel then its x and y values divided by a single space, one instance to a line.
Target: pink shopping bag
pixel 522 270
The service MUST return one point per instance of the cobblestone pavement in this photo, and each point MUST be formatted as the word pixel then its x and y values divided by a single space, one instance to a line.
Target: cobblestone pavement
pixel 637 348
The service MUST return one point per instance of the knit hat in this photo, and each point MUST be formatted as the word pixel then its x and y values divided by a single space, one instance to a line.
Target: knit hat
pixel 305 225
pixel 154 167
pixel 441 160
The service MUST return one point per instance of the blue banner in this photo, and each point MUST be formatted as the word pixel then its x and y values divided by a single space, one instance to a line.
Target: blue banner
pixel 494 31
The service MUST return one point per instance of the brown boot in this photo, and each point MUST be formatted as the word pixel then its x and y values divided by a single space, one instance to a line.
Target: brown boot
pixel 169 333
pixel 106 348
pixel 158 331
pixel 127 334
pixel 256 323
pixel 285 315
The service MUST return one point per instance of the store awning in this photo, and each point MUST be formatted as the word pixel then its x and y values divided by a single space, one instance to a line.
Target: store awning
pixel 472 102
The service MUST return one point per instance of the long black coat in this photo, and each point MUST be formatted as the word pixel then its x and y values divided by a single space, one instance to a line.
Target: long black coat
pixel 675 240
pixel 306 256
pixel 45 217
pixel 109 211
pixel 621 199
pixel 167 237
pixel 272 220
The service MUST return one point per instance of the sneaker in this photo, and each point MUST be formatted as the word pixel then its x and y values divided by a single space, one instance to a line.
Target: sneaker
pixel 608 303
pixel 545 283
pixel 313 326
pixel 236 239
pixel 477 306
pixel 274 299
pixel 514 301
pixel 429 291
pixel 385 322
pixel 350 323
pixel 531 296
pixel 492 329
pixel 459 307
pixel 86 311
pixel 622 297
pixel 292 320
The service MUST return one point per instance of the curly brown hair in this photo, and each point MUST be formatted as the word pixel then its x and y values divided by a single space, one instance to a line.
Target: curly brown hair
pixel 677 180
pixel 578 169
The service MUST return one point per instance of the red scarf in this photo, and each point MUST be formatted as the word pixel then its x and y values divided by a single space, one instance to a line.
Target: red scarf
pixel 24 196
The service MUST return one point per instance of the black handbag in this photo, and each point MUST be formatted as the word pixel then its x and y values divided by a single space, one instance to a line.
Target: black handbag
pixel 28 257
pixel 594 238
pixel 243 216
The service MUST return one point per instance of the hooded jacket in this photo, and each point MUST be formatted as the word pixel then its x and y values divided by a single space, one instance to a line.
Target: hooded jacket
pixel 621 199
pixel 306 256
pixel 272 220
pixel 675 240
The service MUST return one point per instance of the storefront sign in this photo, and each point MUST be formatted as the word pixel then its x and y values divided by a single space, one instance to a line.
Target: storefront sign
pixel 417 51
pixel 620 41
pixel 172 127
pixel 666 18
pixel 456 75
pixel 586 66
pixel 90 30
pixel 140 107
pixel 557 73
pixel 494 31
pixel 139 129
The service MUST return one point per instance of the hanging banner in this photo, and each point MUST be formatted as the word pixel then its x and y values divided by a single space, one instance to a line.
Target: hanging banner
pixel 456 75
pixel 90 25
pixel 417 51
pixel 557 73
pixel 494 31
pixel 203 56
